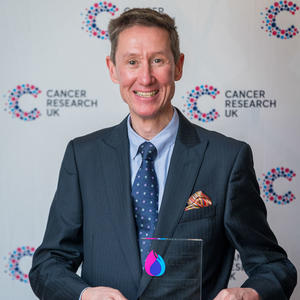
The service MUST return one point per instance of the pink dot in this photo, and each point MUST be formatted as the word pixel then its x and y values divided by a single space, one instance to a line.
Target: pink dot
pixel 90 17
pixel 282 31
pixel 109 5
pixel 290 3
pixel 95 33
pixel 211 88
pixel 276 4
pixel 197 88
pixel 96 4
pixel 274 32
pixel 270 16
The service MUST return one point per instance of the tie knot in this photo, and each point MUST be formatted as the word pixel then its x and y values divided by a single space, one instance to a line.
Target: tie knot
pixel 148 151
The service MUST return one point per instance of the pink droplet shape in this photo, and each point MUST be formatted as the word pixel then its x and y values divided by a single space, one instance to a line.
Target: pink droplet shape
pixel 154 264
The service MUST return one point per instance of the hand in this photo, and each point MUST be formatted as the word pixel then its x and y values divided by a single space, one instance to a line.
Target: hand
pixel 102 293
pixel 238 294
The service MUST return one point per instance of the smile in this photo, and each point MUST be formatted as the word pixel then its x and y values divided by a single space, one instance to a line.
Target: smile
pixel 146 94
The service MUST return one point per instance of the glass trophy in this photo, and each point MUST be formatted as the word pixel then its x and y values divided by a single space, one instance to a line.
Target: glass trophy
pixel 175 269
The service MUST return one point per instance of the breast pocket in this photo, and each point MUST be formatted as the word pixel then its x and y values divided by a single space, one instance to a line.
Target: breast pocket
pixel 197 223
pixel 198 214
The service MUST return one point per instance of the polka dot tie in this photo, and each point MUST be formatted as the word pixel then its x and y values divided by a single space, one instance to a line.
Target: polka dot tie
pixel 145 196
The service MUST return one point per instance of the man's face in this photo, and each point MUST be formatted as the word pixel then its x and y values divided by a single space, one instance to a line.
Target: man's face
pixel 146 71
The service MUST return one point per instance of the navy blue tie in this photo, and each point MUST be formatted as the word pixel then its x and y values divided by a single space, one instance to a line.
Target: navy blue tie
pixel 145 196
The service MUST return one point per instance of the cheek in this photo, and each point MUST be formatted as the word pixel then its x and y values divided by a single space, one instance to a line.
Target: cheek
pixel 166 76
pixel 126 79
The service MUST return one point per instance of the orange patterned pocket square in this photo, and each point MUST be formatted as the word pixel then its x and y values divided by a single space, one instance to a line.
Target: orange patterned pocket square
pixel 198 200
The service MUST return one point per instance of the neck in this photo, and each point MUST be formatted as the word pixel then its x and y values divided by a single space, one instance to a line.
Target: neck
pixel 149 128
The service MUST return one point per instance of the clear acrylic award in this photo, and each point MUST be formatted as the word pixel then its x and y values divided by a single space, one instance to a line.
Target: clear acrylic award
pixel 175 268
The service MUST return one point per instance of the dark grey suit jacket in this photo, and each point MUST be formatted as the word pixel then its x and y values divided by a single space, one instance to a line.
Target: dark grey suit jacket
pixel 91 220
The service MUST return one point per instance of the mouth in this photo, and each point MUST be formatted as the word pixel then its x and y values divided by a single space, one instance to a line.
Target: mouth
pixel 146 94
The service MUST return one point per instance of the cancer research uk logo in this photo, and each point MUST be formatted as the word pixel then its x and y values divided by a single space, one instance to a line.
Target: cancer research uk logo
pixel 92 14
pixel 13 104
pixel 90 18
pixel 191 106
pixel 270 20
pixel 234 101
pixel 12 266
pixel 52 101
pixel 267 185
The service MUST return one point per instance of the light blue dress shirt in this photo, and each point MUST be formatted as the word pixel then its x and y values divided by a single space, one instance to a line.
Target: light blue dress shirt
pixel 164 142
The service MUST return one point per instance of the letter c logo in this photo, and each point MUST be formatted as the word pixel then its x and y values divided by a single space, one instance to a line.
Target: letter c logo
pixel 191 106
pixel 268 185
pixel 270 24
pixel 14 106
pixel 90 24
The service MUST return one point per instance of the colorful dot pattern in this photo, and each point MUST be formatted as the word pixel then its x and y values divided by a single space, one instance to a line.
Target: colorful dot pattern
pixel 145 197
pixel 89 22
pixel 269 22
pixel 13 267
pixel 191 106
pixel 13 102
pixel 268 189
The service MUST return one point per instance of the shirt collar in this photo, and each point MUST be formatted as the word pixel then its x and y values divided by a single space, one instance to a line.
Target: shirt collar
pixel 161 141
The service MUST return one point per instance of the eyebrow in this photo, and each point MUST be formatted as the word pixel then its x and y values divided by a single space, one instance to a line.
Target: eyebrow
pixel 132 54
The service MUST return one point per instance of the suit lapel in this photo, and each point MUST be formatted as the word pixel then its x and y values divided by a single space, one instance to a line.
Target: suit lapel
pixel 184 167
pixel 116 169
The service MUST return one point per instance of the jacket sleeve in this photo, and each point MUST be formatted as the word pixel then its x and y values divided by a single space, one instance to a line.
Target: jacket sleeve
pixel 55 262
pixel 270 272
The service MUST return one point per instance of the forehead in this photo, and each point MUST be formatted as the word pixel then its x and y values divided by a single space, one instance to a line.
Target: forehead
pixel 137 37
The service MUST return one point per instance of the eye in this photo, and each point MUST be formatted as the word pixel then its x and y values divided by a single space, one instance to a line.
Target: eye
pixel 132 62
pixel 157 60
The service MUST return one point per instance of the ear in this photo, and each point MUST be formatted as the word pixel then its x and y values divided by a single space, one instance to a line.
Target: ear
pixel 179 67
pixel 112 70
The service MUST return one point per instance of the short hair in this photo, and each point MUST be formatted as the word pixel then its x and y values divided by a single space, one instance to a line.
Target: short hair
pixel 144 17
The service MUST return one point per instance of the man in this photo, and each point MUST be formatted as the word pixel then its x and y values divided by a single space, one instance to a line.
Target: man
pixel 98 218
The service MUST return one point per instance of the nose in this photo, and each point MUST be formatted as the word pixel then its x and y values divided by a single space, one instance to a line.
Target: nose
pixel 145 76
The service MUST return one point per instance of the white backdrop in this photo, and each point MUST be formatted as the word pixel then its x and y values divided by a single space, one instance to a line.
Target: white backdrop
pixel 47 45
